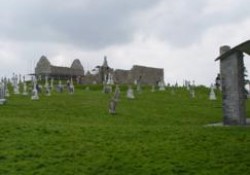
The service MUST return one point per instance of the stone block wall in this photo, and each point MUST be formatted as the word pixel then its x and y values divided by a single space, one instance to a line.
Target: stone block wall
pixel 232 79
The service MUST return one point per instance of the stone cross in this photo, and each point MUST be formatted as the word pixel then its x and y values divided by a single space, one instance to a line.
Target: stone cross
pixel 232 82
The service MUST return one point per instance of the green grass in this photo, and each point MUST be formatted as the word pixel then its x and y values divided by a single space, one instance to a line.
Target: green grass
pixel 156 133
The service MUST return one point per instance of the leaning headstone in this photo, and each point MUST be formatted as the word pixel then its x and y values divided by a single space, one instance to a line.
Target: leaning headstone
pixel 114 100
pixel 212 95
pixel 130 93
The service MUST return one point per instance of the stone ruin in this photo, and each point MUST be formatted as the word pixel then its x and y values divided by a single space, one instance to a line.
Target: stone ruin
pixel 232 82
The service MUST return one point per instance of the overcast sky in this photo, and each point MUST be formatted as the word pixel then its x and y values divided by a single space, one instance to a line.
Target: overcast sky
pixel 181 36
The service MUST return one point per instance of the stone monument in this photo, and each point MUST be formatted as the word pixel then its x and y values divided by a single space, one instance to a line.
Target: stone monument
pixel 232 82
pixel 47 87
pixel 130 93
pixel 114 100
pixel 34 91
pixel 2 93
pixel 24 87
pixel 212 95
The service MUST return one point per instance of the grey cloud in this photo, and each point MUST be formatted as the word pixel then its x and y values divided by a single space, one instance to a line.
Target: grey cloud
pixel 182 23
pixel 88 24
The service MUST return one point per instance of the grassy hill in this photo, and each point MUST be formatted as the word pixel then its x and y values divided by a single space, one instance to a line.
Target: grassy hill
pixel 156 133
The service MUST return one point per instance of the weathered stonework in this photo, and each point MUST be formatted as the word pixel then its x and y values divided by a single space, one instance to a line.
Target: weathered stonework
pixel 44 68
pixel 144 75
pixel 232 82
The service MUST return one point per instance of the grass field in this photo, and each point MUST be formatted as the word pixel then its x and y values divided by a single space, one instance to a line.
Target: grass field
pixel 156 133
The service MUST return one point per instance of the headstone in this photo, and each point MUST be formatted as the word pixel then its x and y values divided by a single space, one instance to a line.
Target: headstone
pixel 130 93
pixel 34 91
pixel 52 83
pixel 161 85
pixel 24 87
pixel 212 95
pixel 114 100
pixel 71 87
pixel 16 85
pixel 192 92
pixel 47 87
pixel 2 93
pixel 60 86
pixel 7 92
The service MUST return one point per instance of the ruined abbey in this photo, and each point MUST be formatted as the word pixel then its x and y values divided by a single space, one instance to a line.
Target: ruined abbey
pixel 141 74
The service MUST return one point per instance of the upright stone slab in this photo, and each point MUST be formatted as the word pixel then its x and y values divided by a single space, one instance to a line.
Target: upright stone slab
pixel 232 82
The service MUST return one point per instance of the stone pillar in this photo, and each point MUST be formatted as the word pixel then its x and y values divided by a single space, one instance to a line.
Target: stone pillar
pixel 232 79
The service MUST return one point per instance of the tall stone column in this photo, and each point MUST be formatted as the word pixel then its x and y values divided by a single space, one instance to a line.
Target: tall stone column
pixel 232 79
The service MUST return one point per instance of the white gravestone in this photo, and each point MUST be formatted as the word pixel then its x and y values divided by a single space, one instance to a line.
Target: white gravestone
pixel 2 93
pixel 130 93
pixel 34 91
pixel 161 85
pixel 212 95
pixel 16 85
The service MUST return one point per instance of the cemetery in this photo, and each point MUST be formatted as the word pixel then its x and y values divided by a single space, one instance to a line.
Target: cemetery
pixel 57 125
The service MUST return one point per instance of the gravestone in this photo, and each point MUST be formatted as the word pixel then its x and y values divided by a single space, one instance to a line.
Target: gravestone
pixel 114 100
pixel 130 93
pixel 71 87
pixel 24 87
pixel 161 85
pixel 60 86
pixel 232 82
pixel 2 93
pixel 34 91
pixel 16 85
pixel 7 92
pixel 212 95
pixel 112 106
pixel 52 84
pixel 47 87
pixel 192 92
